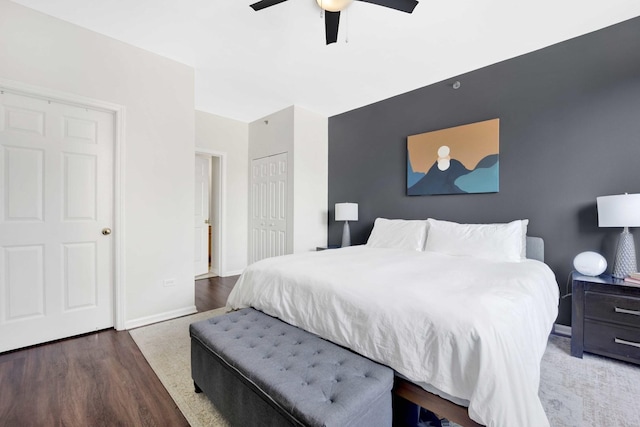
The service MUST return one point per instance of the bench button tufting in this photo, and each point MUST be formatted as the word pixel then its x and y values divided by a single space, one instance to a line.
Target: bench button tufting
pixel 303 353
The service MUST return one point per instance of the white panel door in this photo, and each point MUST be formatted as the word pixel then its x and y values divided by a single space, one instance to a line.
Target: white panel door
pixel 201 217
pixel 56 200
pixel 268 207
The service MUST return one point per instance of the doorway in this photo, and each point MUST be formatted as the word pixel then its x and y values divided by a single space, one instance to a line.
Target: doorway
pixel 60 199
pixel 209 219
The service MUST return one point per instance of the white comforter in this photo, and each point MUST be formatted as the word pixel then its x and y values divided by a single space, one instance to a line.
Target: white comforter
pixel 472 328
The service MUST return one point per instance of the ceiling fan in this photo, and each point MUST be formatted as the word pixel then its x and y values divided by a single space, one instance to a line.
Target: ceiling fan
pixel 332 10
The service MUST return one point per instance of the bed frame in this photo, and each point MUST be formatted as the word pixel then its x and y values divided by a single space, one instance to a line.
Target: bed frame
pixel 443 408
pixel 438 405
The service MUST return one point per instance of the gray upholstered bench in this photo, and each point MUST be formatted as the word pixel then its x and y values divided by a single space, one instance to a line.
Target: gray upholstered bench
pixel 260 371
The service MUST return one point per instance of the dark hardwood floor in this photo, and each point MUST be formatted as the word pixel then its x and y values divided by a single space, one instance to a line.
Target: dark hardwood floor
pixel 212 293
pixel 98 379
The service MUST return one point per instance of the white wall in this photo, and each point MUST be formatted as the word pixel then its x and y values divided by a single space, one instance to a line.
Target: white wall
pixel 303 135
pixel 215 133
pixel 270 135
pixel 310 187
pixel 159 144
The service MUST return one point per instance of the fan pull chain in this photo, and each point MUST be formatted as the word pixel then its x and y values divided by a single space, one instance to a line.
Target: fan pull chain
pixel 321 10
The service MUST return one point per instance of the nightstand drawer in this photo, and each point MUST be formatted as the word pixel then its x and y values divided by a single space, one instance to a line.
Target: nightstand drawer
pixel 612 308
pixel 611 340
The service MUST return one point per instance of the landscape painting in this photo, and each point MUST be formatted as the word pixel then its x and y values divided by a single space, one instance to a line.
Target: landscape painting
pixel 458 160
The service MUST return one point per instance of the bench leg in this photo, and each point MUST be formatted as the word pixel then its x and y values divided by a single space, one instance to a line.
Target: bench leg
pixel 198 389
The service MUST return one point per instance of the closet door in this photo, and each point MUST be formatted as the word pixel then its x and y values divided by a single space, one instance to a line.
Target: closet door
pixel 268 207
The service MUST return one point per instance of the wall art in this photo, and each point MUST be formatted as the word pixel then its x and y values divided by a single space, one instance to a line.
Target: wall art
pixel 457 160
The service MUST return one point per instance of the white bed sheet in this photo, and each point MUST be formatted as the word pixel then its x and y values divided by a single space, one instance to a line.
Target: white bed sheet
pixel 474 329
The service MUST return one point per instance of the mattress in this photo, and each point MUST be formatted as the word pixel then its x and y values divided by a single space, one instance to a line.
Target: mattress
pixel 473 329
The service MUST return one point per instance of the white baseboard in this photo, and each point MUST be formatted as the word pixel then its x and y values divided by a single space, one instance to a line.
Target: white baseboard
pixel 562 330
pixel 147 320
pixel 232 273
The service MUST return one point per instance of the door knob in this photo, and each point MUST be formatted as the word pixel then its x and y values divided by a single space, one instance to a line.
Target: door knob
pixel 106 231
pixel 206 221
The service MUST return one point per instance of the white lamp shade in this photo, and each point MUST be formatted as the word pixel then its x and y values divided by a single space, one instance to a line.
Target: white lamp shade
pixel 621 210
pixel 346 211
pixel 333 5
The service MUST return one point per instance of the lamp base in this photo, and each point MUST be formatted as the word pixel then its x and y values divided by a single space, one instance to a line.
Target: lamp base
pixel 346 235
pixel 625 262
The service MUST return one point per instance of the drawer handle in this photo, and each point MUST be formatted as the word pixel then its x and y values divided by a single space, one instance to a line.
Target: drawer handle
pixel 631 343
pixel 625 311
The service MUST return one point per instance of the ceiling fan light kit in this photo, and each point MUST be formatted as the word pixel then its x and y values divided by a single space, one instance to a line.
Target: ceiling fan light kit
pixel 333 8
pixel 334 5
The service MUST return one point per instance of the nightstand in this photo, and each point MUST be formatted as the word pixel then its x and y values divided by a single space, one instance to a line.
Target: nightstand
pixel 324 248
pixel 605 318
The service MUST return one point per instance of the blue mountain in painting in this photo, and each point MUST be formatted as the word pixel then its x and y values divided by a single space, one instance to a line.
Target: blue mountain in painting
pixel 439 182
pixel 412 177
pixel 483 179
pixel 488 161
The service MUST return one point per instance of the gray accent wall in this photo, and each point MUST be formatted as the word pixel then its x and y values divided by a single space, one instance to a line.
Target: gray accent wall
pixel 569 132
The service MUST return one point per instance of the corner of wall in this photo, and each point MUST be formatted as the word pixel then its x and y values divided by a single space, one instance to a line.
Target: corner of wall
pixel 311 179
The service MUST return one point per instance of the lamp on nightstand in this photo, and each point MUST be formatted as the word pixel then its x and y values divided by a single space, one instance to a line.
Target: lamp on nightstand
pixel 621 210
pixel 346 212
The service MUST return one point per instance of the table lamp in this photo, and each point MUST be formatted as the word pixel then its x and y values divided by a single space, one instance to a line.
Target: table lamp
pixel 621 210
pixel 346 212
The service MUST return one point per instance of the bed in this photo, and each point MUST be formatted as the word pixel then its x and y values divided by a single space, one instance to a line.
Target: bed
pixel 452 308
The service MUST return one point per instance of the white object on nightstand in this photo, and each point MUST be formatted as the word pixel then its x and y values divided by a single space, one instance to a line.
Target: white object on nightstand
pixel 590 263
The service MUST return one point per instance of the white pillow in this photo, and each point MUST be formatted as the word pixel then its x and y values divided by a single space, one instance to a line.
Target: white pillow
pixel 499 242
pixel 398 233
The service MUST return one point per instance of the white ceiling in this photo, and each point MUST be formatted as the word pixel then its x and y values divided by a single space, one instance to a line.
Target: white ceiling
pixel 249 64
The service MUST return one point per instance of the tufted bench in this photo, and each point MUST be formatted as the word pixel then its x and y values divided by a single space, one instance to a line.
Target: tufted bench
pixel 260 371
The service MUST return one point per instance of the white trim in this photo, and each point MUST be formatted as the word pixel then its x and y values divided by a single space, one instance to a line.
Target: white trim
pixel 232 273
pixel 168 315
pixel 221 208
pixel 562 330
pixel 57 96
pixel 119 287
pixel 119 281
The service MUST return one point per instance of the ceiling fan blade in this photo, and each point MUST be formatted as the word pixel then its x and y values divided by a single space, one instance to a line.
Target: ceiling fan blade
pixel 265 3
pixel 331 22
pixel 401 5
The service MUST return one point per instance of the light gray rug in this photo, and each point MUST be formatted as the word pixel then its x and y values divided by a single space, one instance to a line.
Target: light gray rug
pixel 167 348
pixel 588 392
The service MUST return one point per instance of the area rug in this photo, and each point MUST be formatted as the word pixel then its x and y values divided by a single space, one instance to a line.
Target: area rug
pixel 167 348
pixel 593 391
